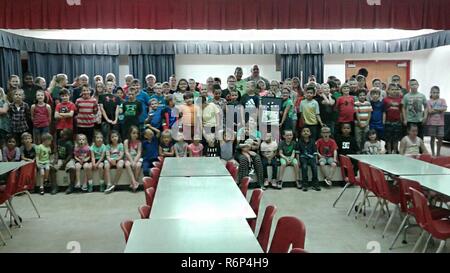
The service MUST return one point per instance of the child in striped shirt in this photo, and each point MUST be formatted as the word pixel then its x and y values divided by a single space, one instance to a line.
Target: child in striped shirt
pixel 363 110
pixel 87 113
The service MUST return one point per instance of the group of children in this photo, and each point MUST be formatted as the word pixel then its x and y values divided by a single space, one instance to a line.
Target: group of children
pixel 317 123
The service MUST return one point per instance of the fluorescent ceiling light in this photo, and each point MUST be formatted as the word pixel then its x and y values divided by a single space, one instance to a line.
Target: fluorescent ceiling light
pixel 221 35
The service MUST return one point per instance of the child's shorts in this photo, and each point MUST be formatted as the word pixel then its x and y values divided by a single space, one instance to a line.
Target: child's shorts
pixel 43 166
pixel 284 162
pixel 70 165
pixel 326 161
pixel 434 130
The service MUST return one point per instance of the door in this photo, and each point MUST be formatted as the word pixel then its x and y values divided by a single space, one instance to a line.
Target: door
pixel 382 70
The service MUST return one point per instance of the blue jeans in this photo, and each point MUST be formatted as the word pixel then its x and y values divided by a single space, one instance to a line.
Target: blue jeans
pixel 312 162
pixel 273 163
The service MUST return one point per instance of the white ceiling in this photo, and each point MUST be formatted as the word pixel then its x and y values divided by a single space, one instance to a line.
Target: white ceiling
pixel 221 35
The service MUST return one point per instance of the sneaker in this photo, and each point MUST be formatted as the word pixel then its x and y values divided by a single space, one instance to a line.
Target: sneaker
pixel 280 185
pixel 84 188
pixel 305 188
pixel 266 183
pixel 299 184
pixel 102 187
pixel 328 182
pixel 110 189
pixel 69 189
pixel 90 187
pixel 317 188
pixel 41 190
pixel 274 184
pixel 54 190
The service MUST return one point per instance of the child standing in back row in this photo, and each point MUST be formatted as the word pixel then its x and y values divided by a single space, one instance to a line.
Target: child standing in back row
pixel 363 110
pixel 434 119
pixel 376 118
pixel 392 118
pixel 41 115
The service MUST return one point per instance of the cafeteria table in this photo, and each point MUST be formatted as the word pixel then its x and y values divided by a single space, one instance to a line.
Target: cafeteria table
pixel 6 167
pixel 401 165
pixel 193 166
pixel 437 183
pixel 192 236
pixel 200 197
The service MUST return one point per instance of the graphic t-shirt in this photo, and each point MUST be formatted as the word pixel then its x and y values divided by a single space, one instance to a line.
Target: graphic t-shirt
pixel 65 107
pixel 83 153
pixel 392 108
pixel 131 112
pixel 114 152
pixel 43 154
pixel 30 154
pixel 310 110
pixel 65 148
pixel 109 103
pixel 414 105
pixel 287 149
pixel 326 148
pixel 98 150
pixel 436 119
pixel 345 108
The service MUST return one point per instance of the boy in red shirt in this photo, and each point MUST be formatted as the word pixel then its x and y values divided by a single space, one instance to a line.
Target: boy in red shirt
pixel 345 106
pixel 64 112
pixel 327 151
pixel 392 118
pixel 87 113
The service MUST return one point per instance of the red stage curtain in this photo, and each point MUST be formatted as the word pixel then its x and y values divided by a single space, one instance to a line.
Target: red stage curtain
pixel 224 14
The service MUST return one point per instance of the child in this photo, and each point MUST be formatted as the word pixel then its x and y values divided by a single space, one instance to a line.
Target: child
pixel 181 90
pixel 326 104
pixel 158 96
pixel 227 146
pixel 345 106
pixel 363 110
pixel 269 148
pixel 411 144
pixel 131 110
pixel 170 113
pixel 373 146
pixel 376 118
pixel 195 149
pixel 133 155
pixel 250 100
pixel 262 88
pixel 248 158
pixel 109 108
pixel 149 149
pixel 87 113
pixel 155 115
pixel 28 149
pixel 287 155
pixel 82 156
pixel 166 148
pixel 5 127
pixel 41 115
pixel 18 113
pixel 212 147
pixel 392 118
pixel 64 112
pixel 63 159
pixel 181 146
pixel 310 112
pixel 114 159
pixel 189 112
pixel 217 99
pixel 98 155
pixel 434 118
pixel 414 104
pixel 346 143
pixel 286 111
pixel 307 153
pixel 327 152
pixel 43 152
pixel 11 152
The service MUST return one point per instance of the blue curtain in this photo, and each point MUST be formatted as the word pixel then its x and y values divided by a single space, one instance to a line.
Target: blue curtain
pixel 293 64
pixel 162 66
pixel 10 64
pixel 48 65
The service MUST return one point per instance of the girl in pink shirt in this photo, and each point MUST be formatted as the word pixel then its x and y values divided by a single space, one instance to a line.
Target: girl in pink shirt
pixel 195 149
pixel 434 119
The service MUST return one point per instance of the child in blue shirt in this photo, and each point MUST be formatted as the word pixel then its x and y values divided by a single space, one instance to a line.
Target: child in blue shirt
pixel 158 96
pixel 149 148
pixel 155 115
pixel 376 118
